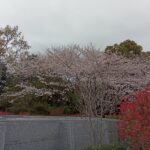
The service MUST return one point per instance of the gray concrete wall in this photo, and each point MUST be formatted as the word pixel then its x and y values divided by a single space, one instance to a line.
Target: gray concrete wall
pixel 2 134
pixel 54 133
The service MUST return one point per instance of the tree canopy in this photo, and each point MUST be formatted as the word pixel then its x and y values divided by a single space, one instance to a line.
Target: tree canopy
pixel 99 79
pixel 12 42
pixel 127 48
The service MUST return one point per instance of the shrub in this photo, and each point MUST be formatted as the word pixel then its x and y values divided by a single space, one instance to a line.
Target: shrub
pixel 135 121
pixel 41 108
pixel 72 105
pixel 3 75
pixel 61 95
pixel 116 146
pixel 69 110
pixel 17 108
pixel 4 104
pixel 3 113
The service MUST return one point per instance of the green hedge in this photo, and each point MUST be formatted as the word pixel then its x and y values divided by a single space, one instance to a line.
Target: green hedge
pixel 34 104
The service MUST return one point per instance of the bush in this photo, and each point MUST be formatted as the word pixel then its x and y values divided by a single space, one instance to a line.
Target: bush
pixel 4 104
pixel 19 104
pixel 27 104
pixel 3 75
pixel 116 146
pixel 72 106
pixel 18 107
pixel 41 108
pixel 135 121
pixel 69 110
pixel 62 95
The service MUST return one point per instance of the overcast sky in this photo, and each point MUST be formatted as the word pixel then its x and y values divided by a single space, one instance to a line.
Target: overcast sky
pixel 57 22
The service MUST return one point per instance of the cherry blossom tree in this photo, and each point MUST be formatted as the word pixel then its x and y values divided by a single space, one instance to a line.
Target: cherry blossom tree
pixel 101 79
pixel 35 77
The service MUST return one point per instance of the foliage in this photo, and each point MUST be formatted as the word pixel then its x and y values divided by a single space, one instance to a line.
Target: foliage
pixel 15 101
pixel 2 76
pixel 27 103
pixel 42 108
pixel 12 46
pixel 11 42
pixel 135 120
pixel 116 146
pixel 3 113
pixel 145 54
pixel 4 104
pixel 72 106
pixel 99 78
pixel 127 48
pixel 18 108
pixel 96 77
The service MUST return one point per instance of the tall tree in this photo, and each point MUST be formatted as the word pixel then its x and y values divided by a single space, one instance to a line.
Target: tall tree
pixel 12 45
pixel 12 42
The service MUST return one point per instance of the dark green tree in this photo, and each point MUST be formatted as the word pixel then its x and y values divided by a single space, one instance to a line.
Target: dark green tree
pixel 2 76
pixel 127 48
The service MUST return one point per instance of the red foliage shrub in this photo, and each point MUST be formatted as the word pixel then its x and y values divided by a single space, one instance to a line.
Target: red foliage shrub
pixel 3 113
pixel 25 113
pixel 57 112
pixel 135 121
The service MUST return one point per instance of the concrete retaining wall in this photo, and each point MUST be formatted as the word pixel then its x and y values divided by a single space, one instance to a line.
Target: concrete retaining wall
pixel 2 133
pixel 54 133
